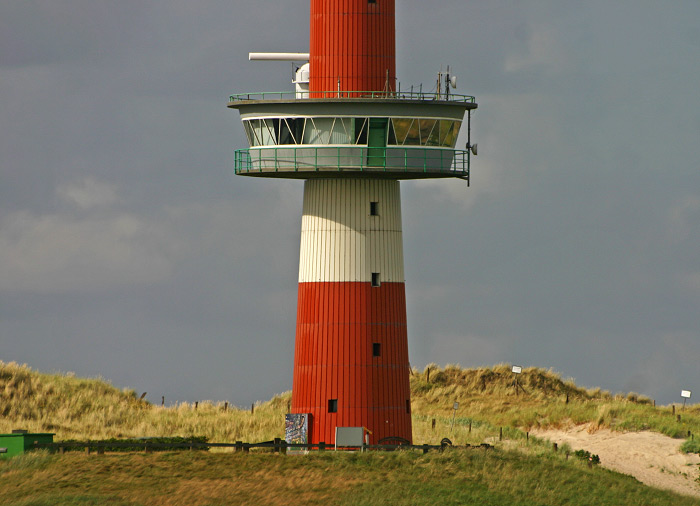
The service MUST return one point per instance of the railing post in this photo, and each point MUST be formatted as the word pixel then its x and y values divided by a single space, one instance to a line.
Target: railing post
pixel 321 446
pixel 239 446
pixel 277 445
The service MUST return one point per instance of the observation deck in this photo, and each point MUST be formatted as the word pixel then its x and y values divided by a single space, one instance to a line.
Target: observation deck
pixel 391 135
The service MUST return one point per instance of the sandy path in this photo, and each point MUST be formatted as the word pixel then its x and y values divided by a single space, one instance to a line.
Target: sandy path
pixel 652 458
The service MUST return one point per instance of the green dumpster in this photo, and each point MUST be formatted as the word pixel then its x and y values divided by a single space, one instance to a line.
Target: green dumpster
pixel 20 441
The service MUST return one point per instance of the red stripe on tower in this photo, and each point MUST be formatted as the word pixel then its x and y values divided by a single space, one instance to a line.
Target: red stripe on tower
pixel 352 46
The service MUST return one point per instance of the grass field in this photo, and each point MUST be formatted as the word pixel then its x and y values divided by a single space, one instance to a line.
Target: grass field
pixel 517 472
pixel 467 477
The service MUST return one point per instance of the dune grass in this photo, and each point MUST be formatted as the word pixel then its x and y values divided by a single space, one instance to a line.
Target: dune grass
pixel 78 408
pixel 488 395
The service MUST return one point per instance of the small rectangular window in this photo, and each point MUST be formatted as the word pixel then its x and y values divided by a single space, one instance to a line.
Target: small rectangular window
pixel 376 349
pixel 374 208
pixel 375 279
pixel 332 405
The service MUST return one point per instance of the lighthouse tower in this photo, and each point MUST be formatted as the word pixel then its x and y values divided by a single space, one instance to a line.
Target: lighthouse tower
pixel 352 135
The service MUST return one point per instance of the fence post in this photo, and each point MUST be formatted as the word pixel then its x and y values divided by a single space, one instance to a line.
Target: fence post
pixel 284 447
pixel 252 409
pixel 321 446
pixel 87 450
pixel 500 434
pixel 246 447
pixel 470 426
pixel 277 445
pixel 239 446
pixel 555 446
pixel 679 418
pixel 225 406
pixel 433 423
pixel 425 448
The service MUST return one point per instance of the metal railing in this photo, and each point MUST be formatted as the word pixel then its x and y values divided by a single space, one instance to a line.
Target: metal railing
pixel 372 95
pixel 390 160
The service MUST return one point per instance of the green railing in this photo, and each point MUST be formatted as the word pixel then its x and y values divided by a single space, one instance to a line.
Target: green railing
pixel 372 95
pixel 418 162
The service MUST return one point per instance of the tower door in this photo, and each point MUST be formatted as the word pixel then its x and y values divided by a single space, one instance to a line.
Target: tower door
pixel 376 142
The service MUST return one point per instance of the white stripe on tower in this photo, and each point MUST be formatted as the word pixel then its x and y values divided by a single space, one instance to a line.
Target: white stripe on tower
pixel 341 240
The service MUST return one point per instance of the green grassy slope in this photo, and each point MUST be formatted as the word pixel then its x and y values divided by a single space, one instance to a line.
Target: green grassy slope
pixel 465 477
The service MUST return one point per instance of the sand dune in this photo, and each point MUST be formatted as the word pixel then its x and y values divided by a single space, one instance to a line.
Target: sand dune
pixel 652 458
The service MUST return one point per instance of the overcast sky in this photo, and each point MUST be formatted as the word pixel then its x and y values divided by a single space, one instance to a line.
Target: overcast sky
pixel 130 250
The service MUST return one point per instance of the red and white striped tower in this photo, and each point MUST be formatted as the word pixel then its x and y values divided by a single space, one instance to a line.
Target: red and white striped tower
pixel 351 362
pixel 351 136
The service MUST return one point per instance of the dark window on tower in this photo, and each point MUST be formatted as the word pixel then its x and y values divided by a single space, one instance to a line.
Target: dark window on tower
pixel 375 279
pixel 332 405
pixel 372 1
pixel 374 208
pixel 376 349
pixel 408 406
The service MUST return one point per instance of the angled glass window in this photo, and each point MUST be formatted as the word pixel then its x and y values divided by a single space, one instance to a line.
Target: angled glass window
pixel 391 135
pixel 267 130
pixel 361 127
pixel 413 134
pixel 347 131
pixel 321 131
pixel 429 132
pixel 401 126
pixel 285 134
pixel 342 131
pixel 448 132
pixel 249 133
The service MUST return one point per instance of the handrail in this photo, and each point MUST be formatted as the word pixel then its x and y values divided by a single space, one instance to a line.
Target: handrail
pixel 372 95
pixel 395 160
